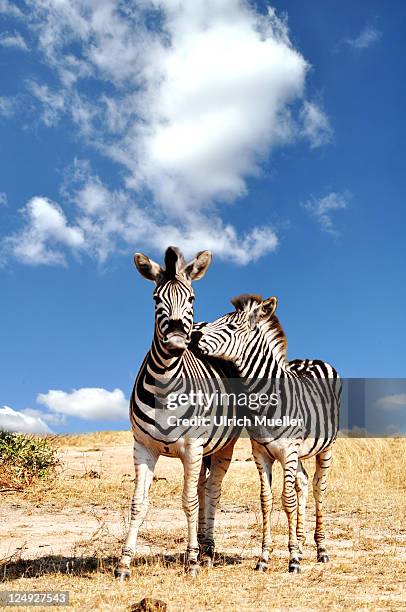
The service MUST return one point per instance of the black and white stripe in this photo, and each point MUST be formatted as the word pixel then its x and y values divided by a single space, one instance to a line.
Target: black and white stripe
pixel 308 391
pixel 171 367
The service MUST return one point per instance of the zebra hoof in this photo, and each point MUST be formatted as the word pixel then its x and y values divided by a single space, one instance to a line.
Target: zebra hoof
pixel 294 567
pixel 192 570
pixel 262 566
pixel 206 561
pixel 323 558
pixel 121 574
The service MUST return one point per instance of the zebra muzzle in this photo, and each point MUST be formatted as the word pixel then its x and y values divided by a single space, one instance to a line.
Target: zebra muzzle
pixel 176 341
pixel 176 337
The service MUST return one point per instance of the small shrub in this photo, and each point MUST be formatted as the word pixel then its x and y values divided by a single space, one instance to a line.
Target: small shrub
pixel 25 458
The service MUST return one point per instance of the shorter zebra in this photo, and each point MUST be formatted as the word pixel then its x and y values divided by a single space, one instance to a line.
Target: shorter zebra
pixel 309 393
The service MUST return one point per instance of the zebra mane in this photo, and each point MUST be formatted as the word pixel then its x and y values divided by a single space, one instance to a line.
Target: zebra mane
pixel 174 262
pixel 274 324
pixel 246 301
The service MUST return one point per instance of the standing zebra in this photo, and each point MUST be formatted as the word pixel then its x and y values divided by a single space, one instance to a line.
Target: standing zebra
pixel 308 391
pixel 171 368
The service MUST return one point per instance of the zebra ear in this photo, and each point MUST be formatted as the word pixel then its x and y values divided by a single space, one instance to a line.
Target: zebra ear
pixel 254 315
pixel 197 268
pixel 147 268
pixel 268 307
pixel 263 310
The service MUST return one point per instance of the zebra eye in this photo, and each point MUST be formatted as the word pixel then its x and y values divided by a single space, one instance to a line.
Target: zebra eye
pixel 232 326
pixel 191 299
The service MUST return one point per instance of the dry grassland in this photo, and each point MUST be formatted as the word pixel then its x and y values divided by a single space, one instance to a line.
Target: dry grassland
pixel 66 534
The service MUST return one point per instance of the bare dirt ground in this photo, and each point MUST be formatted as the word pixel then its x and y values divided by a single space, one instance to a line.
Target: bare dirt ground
pixel 67 534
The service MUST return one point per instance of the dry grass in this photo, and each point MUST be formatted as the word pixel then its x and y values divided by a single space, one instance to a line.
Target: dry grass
pixel 93 440
pixel 365 512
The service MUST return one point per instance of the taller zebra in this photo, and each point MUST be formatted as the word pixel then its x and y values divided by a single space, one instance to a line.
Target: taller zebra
pixel 170 367
pixel 308 391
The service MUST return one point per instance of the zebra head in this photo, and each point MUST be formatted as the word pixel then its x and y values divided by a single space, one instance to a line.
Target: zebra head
pixel 229 336
pixel 173 294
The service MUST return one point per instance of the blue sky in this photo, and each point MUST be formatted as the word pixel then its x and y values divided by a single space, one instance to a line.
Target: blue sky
pixel 272 134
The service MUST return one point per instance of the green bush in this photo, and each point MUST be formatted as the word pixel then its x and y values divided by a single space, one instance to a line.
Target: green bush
pixel 24 458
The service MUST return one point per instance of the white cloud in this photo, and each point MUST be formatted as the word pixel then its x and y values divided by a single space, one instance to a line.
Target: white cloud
pixel 107 221
pixel 89 403
pixel 190 109
pixel 396 401
pixel 8 8
pixel 316 125
pixel 13 41
pixel 21 421
pixel 48 417
pixel 322 208
pixel 368 36
pixel 3 198
pixel 45 227
pixel 112 220
pixel 207 125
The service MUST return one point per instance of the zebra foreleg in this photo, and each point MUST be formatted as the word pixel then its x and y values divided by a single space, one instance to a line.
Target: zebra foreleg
pixel 220 462
pixel 202 493
pixel 144 462
pixel 289 502
pixel 192 460
pixel 264 465
pixel 302 490
pixel 323 462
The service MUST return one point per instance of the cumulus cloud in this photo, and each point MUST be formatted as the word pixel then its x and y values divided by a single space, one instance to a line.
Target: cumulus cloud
pixel 190 107
pixel 3 198
pixel 88 403
pixel 368 36
pixel 109 221
pixel 322 208
pixel 13 41
pixel 207 125
pixel 45 231
pixel 396 401
pixel 22 421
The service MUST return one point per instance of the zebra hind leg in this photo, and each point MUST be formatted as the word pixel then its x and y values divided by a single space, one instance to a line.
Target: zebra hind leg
pixel 289 502
pixel 264 465
pixel 202 493
pixel 220 462
pixel 144 462
pixel 323 462
pixel 302 491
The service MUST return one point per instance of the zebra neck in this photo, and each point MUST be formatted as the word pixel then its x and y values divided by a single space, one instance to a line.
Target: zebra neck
pixel 165 364
pixel 265 355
